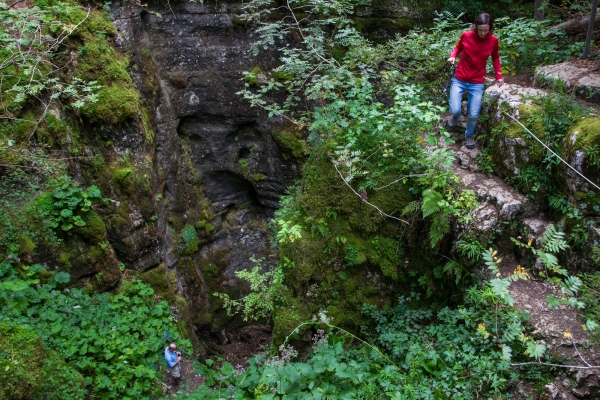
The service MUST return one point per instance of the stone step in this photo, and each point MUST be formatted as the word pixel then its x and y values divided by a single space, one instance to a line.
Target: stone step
pixel 582 76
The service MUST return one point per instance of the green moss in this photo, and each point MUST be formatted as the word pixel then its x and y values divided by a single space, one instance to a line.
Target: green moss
pixel 287 318
pixel 588 134
pixel 504 135
pixel 290 141
pixel 123 176
pixel 96 254
pixel 531 116
pixel 53 132
pixel 26 246
pixel 209 269
pixel 25 127
pixel 148 132
pixel 116 104
pixel 251 78
pixel 64 258
pixel 349 286
pixel 245 169
pixel 98 61
pixel 200 224
pixel 258 177
pixel 158 280
pixel 22 356
pixel 209 228
pixel 94 229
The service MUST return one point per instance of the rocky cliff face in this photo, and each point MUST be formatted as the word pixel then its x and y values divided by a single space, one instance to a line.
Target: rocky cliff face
pixel 218 167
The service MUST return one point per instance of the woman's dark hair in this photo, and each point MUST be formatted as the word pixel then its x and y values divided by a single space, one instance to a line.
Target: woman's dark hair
pixel 484 19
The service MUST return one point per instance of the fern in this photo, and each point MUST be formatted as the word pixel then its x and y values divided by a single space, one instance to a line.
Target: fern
pixel 453 268
pixel 553 240
pixel 411 208
pixel 440 225
pixel 431 202
pixel 471 248
pixel 572 285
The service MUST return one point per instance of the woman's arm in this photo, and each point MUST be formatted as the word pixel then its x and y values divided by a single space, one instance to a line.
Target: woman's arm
pixel 457 50
pixel 496 63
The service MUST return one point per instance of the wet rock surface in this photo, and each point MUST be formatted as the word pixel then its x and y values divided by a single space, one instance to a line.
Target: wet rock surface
pixel 219 170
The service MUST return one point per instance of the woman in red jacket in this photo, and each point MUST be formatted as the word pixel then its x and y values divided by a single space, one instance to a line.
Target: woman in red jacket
pixel 474 47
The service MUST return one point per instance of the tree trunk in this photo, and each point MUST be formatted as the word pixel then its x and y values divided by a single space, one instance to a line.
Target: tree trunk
pixel 576 25
pixel 538 13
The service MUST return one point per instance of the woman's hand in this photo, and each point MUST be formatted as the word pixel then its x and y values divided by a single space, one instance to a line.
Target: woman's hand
pixel 500 82
pixel 451 60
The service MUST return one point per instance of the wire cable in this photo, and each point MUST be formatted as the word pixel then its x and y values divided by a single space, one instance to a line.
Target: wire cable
pixel 548 148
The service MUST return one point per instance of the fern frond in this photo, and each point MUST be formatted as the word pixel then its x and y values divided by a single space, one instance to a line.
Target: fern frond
pixel 440 225
pixel 430 204
pixel 411 208
pixel 472 249
pixel 453 268
pixel 554 240
pixel 549 260
pixel 571 285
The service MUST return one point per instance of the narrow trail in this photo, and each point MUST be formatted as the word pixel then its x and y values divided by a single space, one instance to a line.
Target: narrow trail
pixel 500 203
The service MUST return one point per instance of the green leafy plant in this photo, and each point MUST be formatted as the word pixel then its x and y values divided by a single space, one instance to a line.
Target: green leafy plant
pixel 113 340
pixel 351 255
pixel 189 240
pixel 412 353
pixel 69 202
pixel 265 288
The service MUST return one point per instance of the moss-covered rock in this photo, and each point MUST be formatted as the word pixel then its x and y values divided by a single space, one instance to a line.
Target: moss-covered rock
pixel 290 142
pixel 116 104
pixel 581 151
pixel 98 61
pixel 348 255
pixel 29 370
pixel 514 149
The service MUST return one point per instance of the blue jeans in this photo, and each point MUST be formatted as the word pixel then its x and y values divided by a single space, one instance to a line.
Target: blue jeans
pixel 474 96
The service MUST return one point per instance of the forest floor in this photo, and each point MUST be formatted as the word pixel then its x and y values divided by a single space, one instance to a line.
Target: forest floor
pixel 238 349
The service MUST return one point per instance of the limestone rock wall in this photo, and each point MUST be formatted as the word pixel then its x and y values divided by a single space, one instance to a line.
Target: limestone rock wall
pixel 218 169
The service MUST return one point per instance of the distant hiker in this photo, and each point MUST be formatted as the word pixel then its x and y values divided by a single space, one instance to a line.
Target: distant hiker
pixel 474 47
pixel 173 359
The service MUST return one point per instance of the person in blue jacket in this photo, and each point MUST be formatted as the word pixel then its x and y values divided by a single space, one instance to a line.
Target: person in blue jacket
pixel 173 359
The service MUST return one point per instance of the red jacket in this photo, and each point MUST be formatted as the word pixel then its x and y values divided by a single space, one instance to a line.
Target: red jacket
pixel 475 53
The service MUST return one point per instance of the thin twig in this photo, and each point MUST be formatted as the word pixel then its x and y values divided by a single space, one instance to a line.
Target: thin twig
pixel 579 354
pixel 403 177
pixel 365 201
pixel 552 365
pixel 15 3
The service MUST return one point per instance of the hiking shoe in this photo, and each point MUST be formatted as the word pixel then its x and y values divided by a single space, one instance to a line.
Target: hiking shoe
pixel 451 124
pixel 470 141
